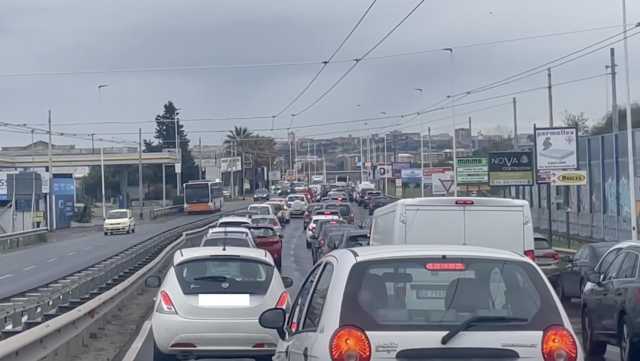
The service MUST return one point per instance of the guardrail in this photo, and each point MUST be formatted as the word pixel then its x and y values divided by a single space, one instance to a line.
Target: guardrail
pixel 10 241
pixel 38 323
pixel 166 211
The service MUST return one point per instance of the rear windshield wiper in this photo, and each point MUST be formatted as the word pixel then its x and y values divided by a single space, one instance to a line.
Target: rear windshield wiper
pixel 211 278
pixel 476 320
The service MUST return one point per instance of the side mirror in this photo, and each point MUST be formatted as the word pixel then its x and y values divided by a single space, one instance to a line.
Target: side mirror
pixel 287 281
pixel 152 282
pixel 274 319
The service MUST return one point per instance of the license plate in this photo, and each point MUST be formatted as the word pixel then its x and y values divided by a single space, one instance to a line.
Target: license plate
pixel 426 293
pixel 220 300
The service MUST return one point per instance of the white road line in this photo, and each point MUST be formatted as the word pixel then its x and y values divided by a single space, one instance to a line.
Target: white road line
pixel 29 267
pixel 51 260
pixel 6 276
pixel 134 351
pixel 71 253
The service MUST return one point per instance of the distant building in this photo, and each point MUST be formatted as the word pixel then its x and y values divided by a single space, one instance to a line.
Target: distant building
pixel 463 138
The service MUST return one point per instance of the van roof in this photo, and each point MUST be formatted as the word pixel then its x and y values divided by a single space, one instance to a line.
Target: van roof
pixel 380 252
pixel 451 201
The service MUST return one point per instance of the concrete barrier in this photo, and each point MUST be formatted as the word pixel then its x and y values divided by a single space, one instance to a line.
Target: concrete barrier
pixel 10 242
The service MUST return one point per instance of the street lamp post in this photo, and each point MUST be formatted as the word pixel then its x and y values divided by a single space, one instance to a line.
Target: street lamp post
pixel 178 157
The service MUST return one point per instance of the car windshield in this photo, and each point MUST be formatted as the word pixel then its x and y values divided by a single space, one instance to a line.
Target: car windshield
pixel 220 241
pixel 233 224
pixel 263 232
pixel 117 215
pixel 435 293
pixel 224 276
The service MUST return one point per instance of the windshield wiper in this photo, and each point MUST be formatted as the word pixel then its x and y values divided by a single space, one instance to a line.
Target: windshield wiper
pixel 211 278
pixel 476 320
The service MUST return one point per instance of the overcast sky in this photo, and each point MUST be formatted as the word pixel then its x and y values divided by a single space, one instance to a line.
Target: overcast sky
pixel 74 38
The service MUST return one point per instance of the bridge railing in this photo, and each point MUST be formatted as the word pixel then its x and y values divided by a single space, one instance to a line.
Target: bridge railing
pixel 15 240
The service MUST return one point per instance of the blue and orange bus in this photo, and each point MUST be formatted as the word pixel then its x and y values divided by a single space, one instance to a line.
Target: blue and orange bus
pixel 203 196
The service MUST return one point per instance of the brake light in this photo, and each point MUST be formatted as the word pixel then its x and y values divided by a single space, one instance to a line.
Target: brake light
pixel 183 345
pixel 558 344
pixel 350 343
pixel 445 266
pixel 464 202
pixel 531 254
pixel 166 304
pixel 283 300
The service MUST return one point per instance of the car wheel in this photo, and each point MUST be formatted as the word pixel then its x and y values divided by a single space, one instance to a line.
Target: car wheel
pixel 560 291
pixel 133 230
pixel 629 349
pixel 160 356
pixel 106 233
pixel 128 230
pixel 591 347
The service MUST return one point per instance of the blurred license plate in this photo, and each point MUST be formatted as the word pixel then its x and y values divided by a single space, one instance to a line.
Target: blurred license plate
pixel 430 293
pixel 213 300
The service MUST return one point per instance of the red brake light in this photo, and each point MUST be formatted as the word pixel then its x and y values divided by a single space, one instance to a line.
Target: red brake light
pixel 283 300
pixel 464 202
pixel 445 266
pixel 558 344
pixel 531 254
pixel 350 343
pixel 166 304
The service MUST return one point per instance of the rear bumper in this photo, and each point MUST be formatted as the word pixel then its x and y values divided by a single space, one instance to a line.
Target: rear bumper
pixel 116 228
pixel 214 338
pixel 296 213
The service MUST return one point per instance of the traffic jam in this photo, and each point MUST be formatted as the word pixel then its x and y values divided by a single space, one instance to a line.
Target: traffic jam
pixel 393 279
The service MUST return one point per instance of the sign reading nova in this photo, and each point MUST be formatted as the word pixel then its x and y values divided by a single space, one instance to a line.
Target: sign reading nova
pixel 472 171
pixel 511 168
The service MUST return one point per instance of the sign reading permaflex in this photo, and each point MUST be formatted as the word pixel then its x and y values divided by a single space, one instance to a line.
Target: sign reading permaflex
pixel 556 148
pixel 472 170
pixel 511 168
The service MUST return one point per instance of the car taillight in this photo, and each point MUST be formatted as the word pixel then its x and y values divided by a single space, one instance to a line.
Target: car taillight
pixel 166 304
pixel 283 300
pixel 350 343
pixel 464 202
pixel 558 344
pixel 530 254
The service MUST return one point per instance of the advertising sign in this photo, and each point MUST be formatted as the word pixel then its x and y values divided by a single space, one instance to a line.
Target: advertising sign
pixel 442 183
pixel 3 185
pixel 274 175
pixel 383 171
pixel 472 171
pixel 397 167
pixel 231 164
pixel 556 149
pixel 429 172
pixel 568 177
pixel 511 168
pixel 63 190
pixel 411 175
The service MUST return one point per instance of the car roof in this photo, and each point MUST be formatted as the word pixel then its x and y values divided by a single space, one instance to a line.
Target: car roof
pixel 325 216
pixel 259 205
pixel 357 232
pixel 234 219
pixel 189 254
pixel 228 230
pixel 451 201
pixel 264 216
pixel 382 252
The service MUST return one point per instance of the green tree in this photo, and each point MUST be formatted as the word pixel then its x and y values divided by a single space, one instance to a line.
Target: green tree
pixel 605 125
pixel 580 121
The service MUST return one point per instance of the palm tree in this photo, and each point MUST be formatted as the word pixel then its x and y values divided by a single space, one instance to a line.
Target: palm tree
pixel 237 136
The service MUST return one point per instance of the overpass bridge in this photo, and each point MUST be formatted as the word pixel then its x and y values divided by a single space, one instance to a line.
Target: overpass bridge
pixel 88 159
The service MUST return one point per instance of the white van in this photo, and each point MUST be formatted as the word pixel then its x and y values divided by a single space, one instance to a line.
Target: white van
pixel 487 222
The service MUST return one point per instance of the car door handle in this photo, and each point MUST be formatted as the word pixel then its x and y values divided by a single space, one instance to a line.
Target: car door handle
pixel 305 353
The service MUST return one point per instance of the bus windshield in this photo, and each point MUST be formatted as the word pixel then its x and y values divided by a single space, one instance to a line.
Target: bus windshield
pixel 196 193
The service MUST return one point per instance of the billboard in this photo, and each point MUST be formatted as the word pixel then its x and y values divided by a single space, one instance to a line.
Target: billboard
pixel 442 183
pixel 411 175
pixel 231 164
pixel 514 168
pixel 63 191
pixel 383 171
pixel 397 167
pixel 568 177
pixel 555 149
pixel 472 170
pixel 430 171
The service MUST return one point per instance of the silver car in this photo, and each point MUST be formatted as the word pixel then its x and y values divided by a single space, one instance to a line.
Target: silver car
pixel 209 303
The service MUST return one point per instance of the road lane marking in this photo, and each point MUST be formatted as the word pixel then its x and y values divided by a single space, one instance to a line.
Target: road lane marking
pixel 6 276
pixel 71 253
pixel 29 267
pixel 51 260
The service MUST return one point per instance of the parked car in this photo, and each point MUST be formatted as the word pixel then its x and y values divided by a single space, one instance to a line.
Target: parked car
pixel 119 221
pixel 261 194
pixel 570 281
pixel 424 303
pixel 267 238
pixel 547 258
pixel 209 303
pixel 610 311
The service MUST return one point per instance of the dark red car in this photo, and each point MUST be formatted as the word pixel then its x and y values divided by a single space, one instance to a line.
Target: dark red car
pixel 268 239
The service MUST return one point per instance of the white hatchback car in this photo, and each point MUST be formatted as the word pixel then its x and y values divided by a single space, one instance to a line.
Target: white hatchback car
pixel 209 303
pixel 119 220
pixel 237 234
pixel 424 302
pixel 233 221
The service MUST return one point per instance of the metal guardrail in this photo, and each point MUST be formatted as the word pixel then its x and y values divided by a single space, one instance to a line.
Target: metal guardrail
pixel 20 239
pixel 35 324
pixel 166 211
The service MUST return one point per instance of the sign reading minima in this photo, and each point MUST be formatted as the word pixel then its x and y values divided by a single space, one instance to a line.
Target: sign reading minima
pixel 472 171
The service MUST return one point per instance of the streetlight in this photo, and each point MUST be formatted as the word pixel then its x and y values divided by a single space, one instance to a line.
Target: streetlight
pixel 630 160
pixel 453 123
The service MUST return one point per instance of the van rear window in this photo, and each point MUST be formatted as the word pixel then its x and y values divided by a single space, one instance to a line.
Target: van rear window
pixel 435 293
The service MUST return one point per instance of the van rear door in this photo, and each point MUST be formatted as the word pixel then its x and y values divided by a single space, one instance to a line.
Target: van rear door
pixel 434 225
pixel 495 227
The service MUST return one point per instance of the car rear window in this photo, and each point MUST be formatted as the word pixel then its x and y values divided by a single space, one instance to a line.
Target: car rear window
pixel 436 293
pixel 343 209
pixel 264 221
pixel 263 232
pixel 357 241
pixel 260 210
pixel 226 242
pixel 224 275
pixel 541 243
pixel 232 224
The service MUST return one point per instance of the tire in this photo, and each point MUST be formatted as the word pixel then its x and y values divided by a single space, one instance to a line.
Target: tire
pixel 160 356
pixel 559 289
pixel 629 349
pixel 106 233
pixel 128 230
pixel 133 230
pixel 591 347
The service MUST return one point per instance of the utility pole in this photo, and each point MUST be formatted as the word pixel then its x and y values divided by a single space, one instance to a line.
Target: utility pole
pixel 104 205
pixel 422 164
pixel 178 158
pixel 295 157
pixel 140 190
pixel 361 162
pixel 470 136
pixel 33 183
pixel 50 216
pixel 164 186
pixel 630 147
pixel 308 164
pixel 200 158
pixel 515 123
pixel 429 146
pixel 92 143
pixel 550 94
pixel 315 159
pixel 615 121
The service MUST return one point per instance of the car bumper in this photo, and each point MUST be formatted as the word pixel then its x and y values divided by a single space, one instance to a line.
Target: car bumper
pixel 116 228
pixel 213 338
